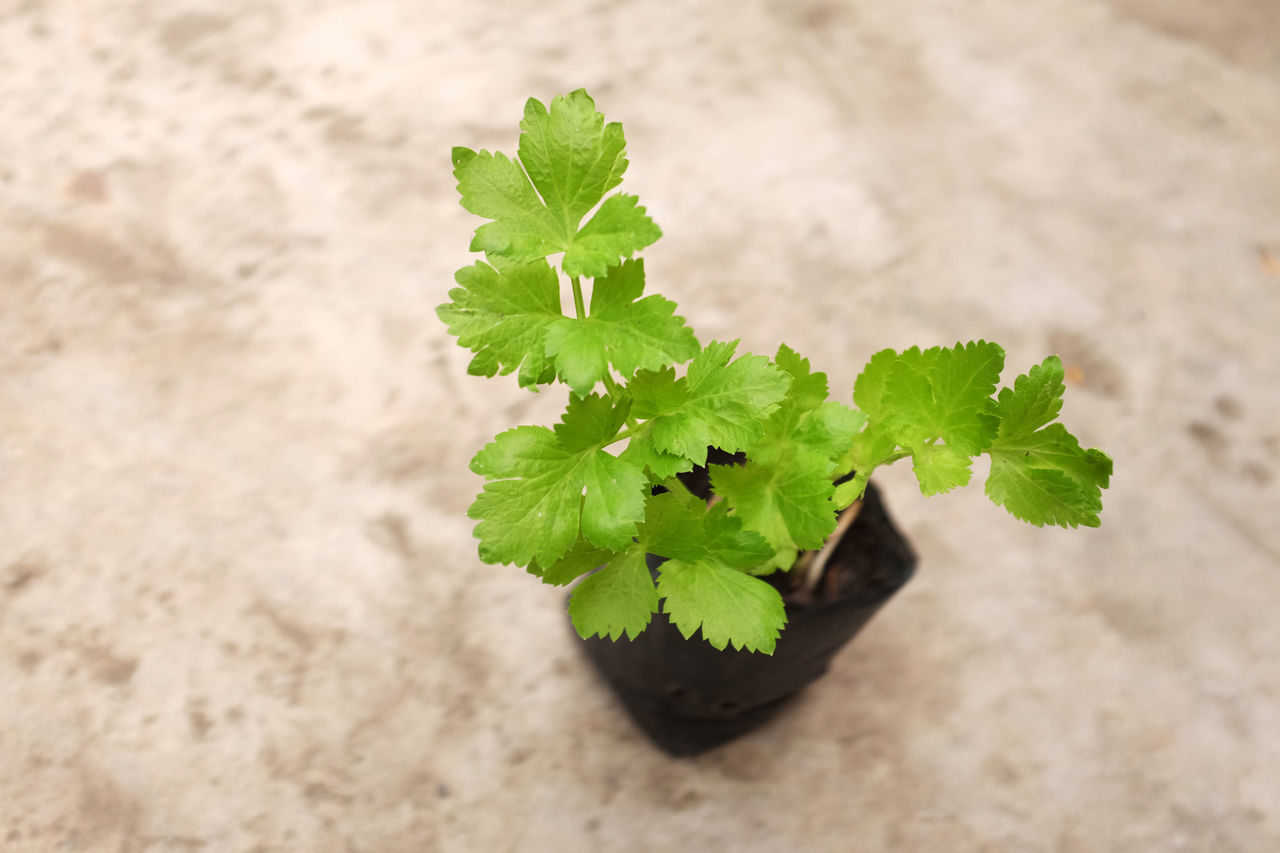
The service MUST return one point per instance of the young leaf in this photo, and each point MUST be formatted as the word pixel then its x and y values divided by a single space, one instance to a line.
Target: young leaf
pixel 719 403
pixel 622 329
pixel 868 388
pixel 619 599
pixel 806 421
pixel 940 468
pixel 785 488
pixel 502 314
pixel 808 389
pixel 1039 472
pixel 868 449
pixel 547 486
pixel 572 159
pixel 830 428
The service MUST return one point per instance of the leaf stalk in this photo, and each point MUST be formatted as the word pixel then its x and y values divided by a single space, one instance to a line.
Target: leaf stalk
pixel 579 305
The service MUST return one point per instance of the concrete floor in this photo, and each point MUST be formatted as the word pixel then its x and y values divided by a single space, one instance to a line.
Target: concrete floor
pixel 240 607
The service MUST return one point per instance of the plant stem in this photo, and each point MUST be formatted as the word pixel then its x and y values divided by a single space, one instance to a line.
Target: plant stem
pixel 888 460
pixel 610 386
pixel 578 305
pixel 893 457
pixel 615 392
pixel 813 573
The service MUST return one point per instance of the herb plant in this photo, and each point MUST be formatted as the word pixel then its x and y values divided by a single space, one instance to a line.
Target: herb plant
pixel 598 491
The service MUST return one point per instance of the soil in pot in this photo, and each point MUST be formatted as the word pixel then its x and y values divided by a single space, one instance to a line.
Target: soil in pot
pixel 688 697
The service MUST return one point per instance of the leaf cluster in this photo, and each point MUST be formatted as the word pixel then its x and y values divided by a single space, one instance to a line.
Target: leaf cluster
pixel 598 492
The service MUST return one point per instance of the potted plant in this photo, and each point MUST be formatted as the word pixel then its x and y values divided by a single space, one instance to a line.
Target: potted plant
pixel 690 489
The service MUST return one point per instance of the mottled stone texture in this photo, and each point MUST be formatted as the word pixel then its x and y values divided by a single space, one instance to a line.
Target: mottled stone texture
pixel 240 607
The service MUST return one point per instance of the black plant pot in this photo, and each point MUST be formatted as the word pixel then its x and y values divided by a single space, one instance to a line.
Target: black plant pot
pixel 688 697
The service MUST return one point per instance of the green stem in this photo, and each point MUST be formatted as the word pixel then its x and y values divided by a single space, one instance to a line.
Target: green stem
pixel 578 304
pixel 888 460
pixel 611 386
pixel 892 457
pixel 615 392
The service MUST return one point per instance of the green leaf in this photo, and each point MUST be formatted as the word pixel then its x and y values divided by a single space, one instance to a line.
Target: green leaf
pixel 867 450
pixel 1047 478
pixel 1039 472
pixel 642 334
pixel 940 469
pixel 729 543
pixel 746 387
pixel 573 157
pixel 944 394
pixel 1034 400
pixel 705 541
pixel 619 229
pixel 788 502
pixel 730 607
pixel 680 526
pixel 868 388
pixel 808 390
pixel 705 581
pixel 581 558
pixel 641 453
pixel 719 403
pixel 502 314
pixel 545 487
pixel 917 399
pixel 850 490
pixel 613 499
pixel 619 599
pixel 495 187
pixel 675 526
pixel 569 158
pixel 591 422
pixel 622 329
pixel 580 353
pixel 1041 496
pixel 874 445
pixel 784 490
pixel 657 392
pixel 830 429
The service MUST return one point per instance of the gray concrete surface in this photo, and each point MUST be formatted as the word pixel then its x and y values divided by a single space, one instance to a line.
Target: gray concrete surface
pixel 240 608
